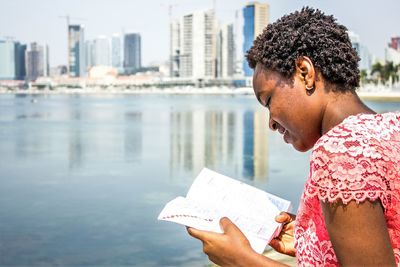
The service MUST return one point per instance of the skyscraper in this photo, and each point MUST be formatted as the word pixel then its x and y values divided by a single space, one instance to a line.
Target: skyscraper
pixel 7 62
pixel 116 51
pixel 362 51
pixel 102 54
pixel 37 61
pixel 175 48
pixel 132 52
pixel 193 46
pixel 76 51
pixel 256 18
pixel 89 54
pixel 226 51
pixel 12 63
pixel 20 68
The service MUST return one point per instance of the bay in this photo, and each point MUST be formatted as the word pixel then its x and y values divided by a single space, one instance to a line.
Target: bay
pixel 83 177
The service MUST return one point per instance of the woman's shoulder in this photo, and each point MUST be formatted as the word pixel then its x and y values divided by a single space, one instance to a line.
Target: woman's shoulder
pixel 357 159
pixel 361 130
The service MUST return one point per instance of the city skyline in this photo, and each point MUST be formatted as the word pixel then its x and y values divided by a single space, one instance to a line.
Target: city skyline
pixel 375 24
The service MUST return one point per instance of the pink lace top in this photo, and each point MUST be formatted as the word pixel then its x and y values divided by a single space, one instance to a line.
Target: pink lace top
pixel 359 160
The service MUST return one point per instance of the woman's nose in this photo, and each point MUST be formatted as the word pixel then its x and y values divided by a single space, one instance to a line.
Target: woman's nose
pixel 273 125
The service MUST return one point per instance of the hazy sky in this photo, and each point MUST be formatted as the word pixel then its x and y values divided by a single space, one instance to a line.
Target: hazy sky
pixel 374 21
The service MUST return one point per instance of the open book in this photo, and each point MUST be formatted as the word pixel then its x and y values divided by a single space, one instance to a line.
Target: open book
pixel 213 196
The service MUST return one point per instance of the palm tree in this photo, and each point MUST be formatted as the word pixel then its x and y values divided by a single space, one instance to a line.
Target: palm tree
pixel 387 73
pixel 377 72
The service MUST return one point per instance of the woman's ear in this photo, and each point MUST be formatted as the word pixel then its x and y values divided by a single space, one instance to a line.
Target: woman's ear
pixel 305 71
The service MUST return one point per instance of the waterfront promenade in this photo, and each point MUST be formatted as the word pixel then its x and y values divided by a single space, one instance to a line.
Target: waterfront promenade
pixel 384 96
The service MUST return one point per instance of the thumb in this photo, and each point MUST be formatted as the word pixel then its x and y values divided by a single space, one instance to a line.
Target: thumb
pixel 283 217
pixel 227 225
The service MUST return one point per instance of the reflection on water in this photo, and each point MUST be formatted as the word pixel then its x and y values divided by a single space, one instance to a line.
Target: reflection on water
pixel 83 178
pixel 133 139
pixel 212 138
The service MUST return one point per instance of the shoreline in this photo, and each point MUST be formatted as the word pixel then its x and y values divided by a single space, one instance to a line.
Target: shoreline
pixel 383 96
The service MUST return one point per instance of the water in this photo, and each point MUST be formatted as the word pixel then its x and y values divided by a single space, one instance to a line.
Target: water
pixel 83 178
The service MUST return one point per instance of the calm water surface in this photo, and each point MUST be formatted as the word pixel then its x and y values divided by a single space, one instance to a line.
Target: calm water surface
pixel 83 178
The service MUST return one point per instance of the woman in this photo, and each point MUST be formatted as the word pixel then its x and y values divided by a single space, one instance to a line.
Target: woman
pixel 306 73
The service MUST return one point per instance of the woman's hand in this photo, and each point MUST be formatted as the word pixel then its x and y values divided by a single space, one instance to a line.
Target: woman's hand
pixel 231 248
pixel 284 242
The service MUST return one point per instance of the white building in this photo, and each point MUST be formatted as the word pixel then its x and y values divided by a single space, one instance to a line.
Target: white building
pixel 193 46
pixel 102 48
pixel 226 51
pixel 116 51
pixel 392 55
pixel 89 54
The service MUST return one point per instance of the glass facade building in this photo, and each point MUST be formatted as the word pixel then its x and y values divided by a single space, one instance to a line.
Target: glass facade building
pixel 255 19
pixel 12 63
pixel 76 51
pixel 248 35
pixel 132 53
pixel 7 62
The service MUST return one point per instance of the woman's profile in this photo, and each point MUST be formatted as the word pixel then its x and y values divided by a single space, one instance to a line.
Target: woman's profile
pixel 306 75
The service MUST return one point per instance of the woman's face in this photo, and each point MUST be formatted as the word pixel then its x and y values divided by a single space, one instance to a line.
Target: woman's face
pixel 294 113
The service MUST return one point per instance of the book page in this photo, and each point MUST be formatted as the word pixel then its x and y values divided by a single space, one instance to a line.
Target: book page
pixel 213 196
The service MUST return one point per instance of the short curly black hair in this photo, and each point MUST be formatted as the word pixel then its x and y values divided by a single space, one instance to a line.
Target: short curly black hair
pixel 310 33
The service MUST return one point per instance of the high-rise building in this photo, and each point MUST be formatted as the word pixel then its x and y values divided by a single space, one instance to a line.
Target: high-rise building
pixel 256 18
pixel 193 46
pixel 7 62
pixel 226 51
pixel 20 68
pixel 12 63
pixel 116 51
pixel 175 48
pixel 89 54
pixel 362 51
pixel 132 52
pixel 102 54
pixel 76 51
pixel 37 61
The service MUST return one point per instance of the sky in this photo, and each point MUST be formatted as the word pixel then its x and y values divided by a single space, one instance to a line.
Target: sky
pixel 42 20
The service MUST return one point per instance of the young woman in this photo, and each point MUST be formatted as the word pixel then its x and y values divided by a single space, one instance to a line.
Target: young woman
pixel 305 74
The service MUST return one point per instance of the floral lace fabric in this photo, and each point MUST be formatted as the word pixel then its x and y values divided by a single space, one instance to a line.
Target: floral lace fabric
pixel 358 160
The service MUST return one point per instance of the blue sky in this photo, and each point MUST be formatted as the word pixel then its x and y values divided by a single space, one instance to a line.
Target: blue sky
pixel 374 21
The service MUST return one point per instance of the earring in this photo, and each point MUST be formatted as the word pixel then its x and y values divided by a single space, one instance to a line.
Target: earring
pixel 310 90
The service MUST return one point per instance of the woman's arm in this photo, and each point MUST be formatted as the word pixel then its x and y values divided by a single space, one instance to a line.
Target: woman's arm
pixel 359 233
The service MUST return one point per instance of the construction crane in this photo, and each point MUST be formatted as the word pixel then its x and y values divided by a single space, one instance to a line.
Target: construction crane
pixel 68 19
pixel 170 9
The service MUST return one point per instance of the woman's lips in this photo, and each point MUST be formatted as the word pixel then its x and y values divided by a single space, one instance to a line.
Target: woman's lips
pixel 286 136
pixel 284 132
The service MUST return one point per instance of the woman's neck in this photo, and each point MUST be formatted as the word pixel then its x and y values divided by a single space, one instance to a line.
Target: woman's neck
pixel 341 105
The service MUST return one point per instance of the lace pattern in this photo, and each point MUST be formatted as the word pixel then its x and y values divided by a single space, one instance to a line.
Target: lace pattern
pixel 357 160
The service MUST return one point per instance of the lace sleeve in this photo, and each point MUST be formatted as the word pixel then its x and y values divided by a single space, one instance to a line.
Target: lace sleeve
pixel 349 165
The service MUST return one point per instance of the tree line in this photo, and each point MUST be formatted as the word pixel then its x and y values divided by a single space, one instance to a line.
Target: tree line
pixel 386 74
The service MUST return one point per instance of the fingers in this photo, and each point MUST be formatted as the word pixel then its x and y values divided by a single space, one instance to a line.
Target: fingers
pixel 226 224
pixel 284 217
pixel 200 234
pixel 227 227
pixel 275 244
